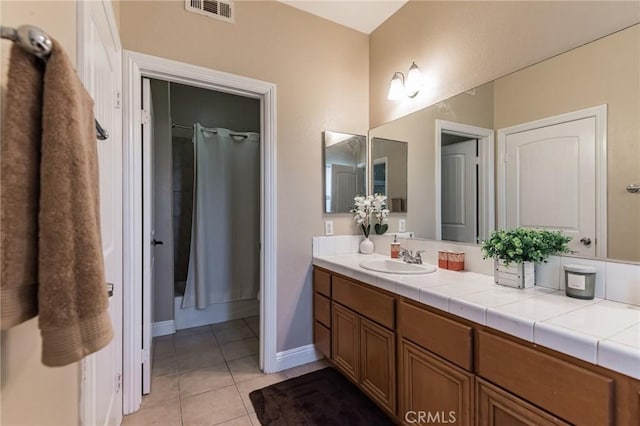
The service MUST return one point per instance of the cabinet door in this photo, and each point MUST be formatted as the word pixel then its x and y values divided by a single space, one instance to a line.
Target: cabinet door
pixel 496 407
pixel 378 363
pixel 344 341
pixel 433 390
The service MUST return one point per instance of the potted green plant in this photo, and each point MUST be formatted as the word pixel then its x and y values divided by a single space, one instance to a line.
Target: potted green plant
pixel 517 250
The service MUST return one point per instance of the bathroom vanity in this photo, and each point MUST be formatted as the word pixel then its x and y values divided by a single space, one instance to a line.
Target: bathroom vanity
pixel 422 363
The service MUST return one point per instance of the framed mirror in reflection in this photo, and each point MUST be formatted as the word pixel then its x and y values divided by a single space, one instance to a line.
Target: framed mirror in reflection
pixel 389 172
pixel 345 170
pixel 539 182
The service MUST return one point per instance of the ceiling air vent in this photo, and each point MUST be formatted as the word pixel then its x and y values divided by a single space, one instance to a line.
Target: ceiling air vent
pixel 222 10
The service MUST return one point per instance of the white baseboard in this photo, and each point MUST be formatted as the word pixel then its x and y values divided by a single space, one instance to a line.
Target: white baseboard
pixel 163 328
pixel 219 312
pixel 296 356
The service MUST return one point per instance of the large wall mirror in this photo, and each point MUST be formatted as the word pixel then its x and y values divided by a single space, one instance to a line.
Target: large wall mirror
pixel 389 172
pixel 345 170
pixel 482 158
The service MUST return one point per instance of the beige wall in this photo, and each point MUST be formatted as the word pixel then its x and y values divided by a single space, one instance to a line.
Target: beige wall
pixel 460 45
pixel 603 72
pixel 33 394
pixel 321 73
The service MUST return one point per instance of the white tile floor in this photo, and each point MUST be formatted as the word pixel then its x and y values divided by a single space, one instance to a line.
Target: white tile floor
pixel 203 376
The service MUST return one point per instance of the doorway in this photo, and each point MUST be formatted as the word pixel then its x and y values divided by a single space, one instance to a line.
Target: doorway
pixel 211 274
pixel 460 172
pixel 464 182
pixel 138 66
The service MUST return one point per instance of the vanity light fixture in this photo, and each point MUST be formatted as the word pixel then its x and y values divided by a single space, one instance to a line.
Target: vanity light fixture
pixel 401 86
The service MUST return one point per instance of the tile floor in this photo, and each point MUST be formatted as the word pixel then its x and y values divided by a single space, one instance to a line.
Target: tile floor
pixel 203 376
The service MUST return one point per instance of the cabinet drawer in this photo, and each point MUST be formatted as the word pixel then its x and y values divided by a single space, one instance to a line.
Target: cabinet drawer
pixel 444 337
pixel 573 393
pixel 322 309
pixel 322 282
pixel 322 339
pixel 365 301
pixel 496 407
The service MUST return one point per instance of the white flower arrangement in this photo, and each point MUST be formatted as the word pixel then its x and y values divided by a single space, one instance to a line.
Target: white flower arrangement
pixel 364 207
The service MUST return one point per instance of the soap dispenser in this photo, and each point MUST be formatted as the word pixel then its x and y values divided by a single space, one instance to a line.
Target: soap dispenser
pixel 395 248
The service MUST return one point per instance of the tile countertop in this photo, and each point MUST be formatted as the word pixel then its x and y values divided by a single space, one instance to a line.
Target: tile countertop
pixel 597 331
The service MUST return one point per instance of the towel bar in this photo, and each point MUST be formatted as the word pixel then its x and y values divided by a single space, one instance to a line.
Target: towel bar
pixel 37 42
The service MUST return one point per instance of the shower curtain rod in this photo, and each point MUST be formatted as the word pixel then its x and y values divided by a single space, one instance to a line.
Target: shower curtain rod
pixel 37 42
pixel 183 126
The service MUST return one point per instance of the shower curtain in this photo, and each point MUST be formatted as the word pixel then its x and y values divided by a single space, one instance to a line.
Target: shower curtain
pixel 224 263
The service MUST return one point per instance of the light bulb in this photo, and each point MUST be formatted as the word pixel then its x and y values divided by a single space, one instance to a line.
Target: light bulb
pixel 396 89
pixel 414 80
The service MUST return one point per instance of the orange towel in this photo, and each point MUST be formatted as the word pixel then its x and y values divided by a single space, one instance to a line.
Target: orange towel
pixel 72 299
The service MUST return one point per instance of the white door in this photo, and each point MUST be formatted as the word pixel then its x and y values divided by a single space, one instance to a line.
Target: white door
pixel 550 181
pixel 99 54
pixel 459 191
pixel 148 234
pixel 345 183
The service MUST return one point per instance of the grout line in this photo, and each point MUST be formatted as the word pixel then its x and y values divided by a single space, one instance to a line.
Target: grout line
pixel 235 418
pixel 205 337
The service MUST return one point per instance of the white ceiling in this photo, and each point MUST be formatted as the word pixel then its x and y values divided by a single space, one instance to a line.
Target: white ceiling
pixel 361 15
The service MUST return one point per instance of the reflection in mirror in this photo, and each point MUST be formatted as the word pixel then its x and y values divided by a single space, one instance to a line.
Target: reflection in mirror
pixel 345 159
pixel 389 172
pixel 465 153
pixel 603 72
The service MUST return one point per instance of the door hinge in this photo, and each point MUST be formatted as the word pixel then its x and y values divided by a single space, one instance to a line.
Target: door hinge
pixel 145 117
pixel 118 382
pixel 145 356
pixel 118 103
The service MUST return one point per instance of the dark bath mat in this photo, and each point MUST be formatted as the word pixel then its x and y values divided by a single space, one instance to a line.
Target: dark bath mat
pixel 320 398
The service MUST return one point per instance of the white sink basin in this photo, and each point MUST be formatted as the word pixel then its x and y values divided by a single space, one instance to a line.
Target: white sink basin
pixel 397 267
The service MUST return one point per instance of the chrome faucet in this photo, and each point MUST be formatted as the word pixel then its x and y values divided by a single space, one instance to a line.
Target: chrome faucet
pixel 408 257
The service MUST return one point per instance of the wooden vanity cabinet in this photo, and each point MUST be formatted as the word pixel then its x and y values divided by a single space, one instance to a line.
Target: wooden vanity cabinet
pixel 452 371
pixel 364 349
pixel 322 311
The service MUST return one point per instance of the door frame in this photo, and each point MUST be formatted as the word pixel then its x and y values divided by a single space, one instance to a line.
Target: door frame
pixel 88 365
pixel 135 66
pixel 598 112
pixel 486 185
